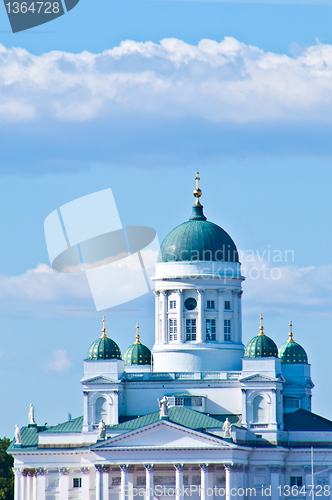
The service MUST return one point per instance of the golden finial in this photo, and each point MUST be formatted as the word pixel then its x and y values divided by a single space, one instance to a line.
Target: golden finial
pixel 261 328
pixel 290 335
pixel 197 192
pixel 137 334
pixel 104 336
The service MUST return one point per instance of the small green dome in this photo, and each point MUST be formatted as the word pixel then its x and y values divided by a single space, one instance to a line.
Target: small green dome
pixel 292 352
pixel 104 348
pixel 137 354
pixel 261 346
pixel 198 240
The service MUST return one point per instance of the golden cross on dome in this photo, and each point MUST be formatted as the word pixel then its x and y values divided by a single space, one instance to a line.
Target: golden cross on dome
pixel 197 192
pixel 104 329
pixel 290 335
pixel 137 334
pixel 261 328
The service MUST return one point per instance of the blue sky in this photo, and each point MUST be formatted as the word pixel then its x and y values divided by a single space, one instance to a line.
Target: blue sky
pixel 137 96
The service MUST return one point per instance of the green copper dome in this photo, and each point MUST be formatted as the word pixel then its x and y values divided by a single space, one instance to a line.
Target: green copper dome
pixel 198 239
pixel 261 346
pixel 292 352
pixel 104 348
pixel 137 354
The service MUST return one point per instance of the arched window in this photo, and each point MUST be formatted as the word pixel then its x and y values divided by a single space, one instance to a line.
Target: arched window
pixel 259 409
pixel 100 410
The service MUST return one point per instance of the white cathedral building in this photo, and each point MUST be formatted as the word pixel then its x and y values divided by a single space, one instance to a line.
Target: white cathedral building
pixel 200 415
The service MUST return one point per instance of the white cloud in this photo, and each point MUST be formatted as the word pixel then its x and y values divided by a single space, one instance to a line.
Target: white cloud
pixel 220 82
pixel 60 361
pixel 307 290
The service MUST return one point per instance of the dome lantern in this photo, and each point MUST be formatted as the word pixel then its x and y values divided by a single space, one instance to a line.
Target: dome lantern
pixel 291 351
pixel 137 353
pixel 104 348
pixel 261 346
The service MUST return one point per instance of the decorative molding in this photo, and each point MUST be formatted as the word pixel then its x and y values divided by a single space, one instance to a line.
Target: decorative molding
pixel 164 293
pixel 124 467
pixel 64 471
pixel 230 467
pixel 149 467
pixel 85 470
pixel 156 292
pixel 99 468
pixel 106 468
pixel 200 291
pixel 274 469
pixel 204 467
pixel 41 471
pixel 179 467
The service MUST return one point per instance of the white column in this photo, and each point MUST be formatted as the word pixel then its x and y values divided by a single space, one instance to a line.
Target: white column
pixel 34 486
pixel 275 482
pixel 157 316
pixel 99 482
pixel 330 484
pixel 178 481
pixel 85 411
pixel 64 479
pixel 24 478
pixel 17 483
pixel 200 325
pixel 85 483
pixel 106 480
pixel 308 483
pixel 149 481
pixel 204 480
pixel 244 407
pixel 29 487
pixel 124 481
pixel 240 478
pixel 181 328
pixel 230 483
pixel 164 339
pixel 41 483
pixel 221 315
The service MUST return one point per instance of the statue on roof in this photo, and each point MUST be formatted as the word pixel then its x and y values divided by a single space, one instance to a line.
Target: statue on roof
pixel 18 439
pixel 227 427
pixel 102 430
pixel 163 407
pixel 32 415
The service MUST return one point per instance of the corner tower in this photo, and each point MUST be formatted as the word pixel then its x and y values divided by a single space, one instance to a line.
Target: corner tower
pixel 198 298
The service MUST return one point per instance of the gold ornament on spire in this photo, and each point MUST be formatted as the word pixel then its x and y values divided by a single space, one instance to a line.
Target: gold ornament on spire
pixel 104 336
pixel 137 334
pixel 261 328
pixel 197 192
pixel 290 335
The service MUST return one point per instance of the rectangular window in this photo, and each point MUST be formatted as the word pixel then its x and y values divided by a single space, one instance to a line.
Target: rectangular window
pixel 227 329
pixel 227 304
pixel 296 480
pixel 210 329
pixel 173 329
pixel 291 403
pixel 210 304
pixel 172 304
pixel 77 482
pixel 190 329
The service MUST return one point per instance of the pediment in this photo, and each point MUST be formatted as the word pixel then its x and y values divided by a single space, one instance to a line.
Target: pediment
pixel 99 379
pixel 163 435
pixel 259 377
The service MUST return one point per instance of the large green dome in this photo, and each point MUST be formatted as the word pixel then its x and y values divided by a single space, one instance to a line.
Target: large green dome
pixel 198 240
pixel 261 346
pixel 137 354
pixel 291 351
pixel 104 348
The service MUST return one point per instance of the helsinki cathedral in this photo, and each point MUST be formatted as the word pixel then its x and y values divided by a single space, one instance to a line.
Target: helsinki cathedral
pixel 199 415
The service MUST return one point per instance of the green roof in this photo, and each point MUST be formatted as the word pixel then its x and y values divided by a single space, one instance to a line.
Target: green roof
pixel 198 240
pixel 104 348
pixel 186 417
pixel 304 420
pixel 137 354
pixel 73 425
pixel 292 352
pixel 261 346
